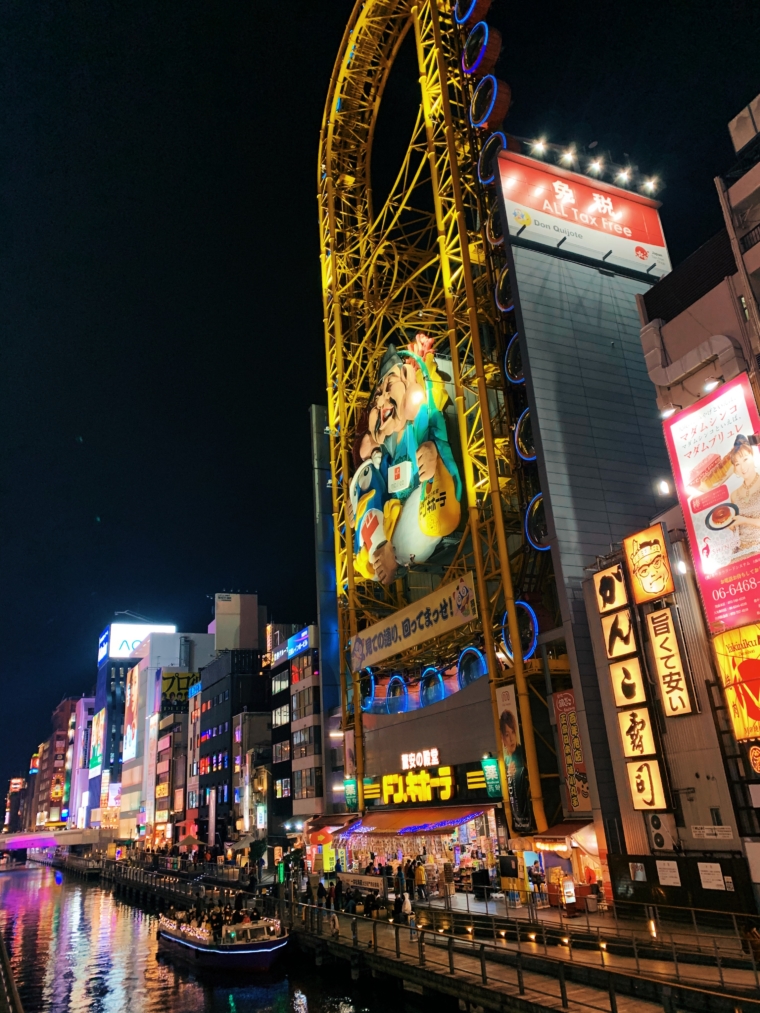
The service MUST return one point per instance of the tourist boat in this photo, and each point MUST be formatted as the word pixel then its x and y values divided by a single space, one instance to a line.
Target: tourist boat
pixel 9 864
pixel 253 947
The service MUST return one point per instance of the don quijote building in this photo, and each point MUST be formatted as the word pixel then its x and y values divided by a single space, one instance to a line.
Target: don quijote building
pixel 674 609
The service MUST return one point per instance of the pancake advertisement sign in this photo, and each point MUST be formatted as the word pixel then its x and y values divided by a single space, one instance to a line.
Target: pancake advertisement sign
pixel 715 459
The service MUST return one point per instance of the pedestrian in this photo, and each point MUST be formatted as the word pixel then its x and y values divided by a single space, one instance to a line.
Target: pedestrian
pixel 420 880
pixel 339 894
pixel 321 894
pixel 398 904
pixel 239 900
pixel 309 893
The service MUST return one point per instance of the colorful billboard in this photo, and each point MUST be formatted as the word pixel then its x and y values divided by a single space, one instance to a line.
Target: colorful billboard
pixel 576 777
pixel 738 654
pixel 174 691
pixel 131 700
pixel 405 492
pixel 514 760
pixel 96 742
pixel 556 208
pixel 716 465
pixel 446 609
pixel 119 639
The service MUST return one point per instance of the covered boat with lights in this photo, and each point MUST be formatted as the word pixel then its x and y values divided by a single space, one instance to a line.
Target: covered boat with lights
pixel 252 947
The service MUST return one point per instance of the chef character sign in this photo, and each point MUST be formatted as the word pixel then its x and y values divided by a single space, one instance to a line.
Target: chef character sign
pixel 406 491
pixel 648 564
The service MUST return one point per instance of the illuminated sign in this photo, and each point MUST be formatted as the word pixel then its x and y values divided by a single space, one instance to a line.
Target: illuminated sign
pixel 646 555
pixel 668 664
pixel 717 474
pixel 34 764
pixel 261 817
pixel 120 639
pixel 131 700
pixel 645 781
pixel 576 777
pixel 417 786
pixel 162 790
pixel 352 794
pixel 628 682
pixel 194 690
pixel 738 654
pixel 162 816
pixel 618 633
pixel 610 589
pixel 96 742
pixel 423 758
pixel 636 732
pixel 565 211
pixel 446 609
pixel 17 783
pixel 114 795
pixel 514 759
pixel 299 643
pixel 490 776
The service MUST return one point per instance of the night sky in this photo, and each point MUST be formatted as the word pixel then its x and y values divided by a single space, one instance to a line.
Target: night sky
pixel 160 312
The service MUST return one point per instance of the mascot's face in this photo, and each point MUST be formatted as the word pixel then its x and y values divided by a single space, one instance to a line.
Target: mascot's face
pixel 396 401
pixel 650 566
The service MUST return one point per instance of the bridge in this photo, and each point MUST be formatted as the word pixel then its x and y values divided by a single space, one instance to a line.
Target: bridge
pixel 98 839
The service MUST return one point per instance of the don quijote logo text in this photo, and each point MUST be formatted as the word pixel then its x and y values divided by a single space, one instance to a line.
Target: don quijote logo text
pixel 641 253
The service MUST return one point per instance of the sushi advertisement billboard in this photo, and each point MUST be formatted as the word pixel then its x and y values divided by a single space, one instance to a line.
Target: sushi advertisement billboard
pixel 716 463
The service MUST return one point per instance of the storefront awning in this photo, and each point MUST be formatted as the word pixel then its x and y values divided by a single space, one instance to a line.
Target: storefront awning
pixel 439 820
pixel 582 834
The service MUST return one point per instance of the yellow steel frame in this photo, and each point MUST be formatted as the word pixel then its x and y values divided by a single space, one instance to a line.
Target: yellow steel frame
pixel 404 266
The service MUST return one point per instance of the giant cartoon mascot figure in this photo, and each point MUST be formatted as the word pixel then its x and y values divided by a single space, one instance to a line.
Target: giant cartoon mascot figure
pixel 406 491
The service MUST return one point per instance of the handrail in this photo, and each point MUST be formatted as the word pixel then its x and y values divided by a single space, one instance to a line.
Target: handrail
pixel 9 982
pixel 751 239
pixel 319 918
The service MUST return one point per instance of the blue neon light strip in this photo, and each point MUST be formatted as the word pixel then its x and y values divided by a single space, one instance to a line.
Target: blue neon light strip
pixel 461 18
pixel 492 177
pixel 426 675
pixel 209 949
pixel 512 340
pixel 538 548
pixel 505 632
pixel 426 828
pixel 482 52
pixel 484 119
pixel 517 433
pixel 389 698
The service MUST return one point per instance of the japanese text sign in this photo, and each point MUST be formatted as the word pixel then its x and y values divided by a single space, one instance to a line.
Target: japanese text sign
pixel 646 555
pixel 717 473
pixel 418 786
pixel 645 781
pixel 738 654
pixel 449 607
pixel 636 732
pixel 554 207
pixel 667 661
pixel 610 590
pixel 576 777
pixel 421 758
pixel 351 794
pixel 627 682
pixel 619 639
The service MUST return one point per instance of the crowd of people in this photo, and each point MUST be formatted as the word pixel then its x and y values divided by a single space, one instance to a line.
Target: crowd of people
pixel 213 918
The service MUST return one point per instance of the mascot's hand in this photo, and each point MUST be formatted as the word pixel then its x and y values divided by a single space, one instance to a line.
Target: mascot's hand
pixel 427 459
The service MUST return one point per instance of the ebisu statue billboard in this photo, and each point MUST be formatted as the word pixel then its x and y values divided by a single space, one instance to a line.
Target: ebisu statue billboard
pixel 406 490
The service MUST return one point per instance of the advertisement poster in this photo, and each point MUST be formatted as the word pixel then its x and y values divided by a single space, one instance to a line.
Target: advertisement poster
pixel 150 805
pixel 174 689
pixel 114 795
pixel 646 555
pixel 349 754
pixel 716 465
pixel 96 742
pixel 445 609
pixel 576 777
pixel 514 760
pixel 738 655
pixel 405 492
pixel 130 713
pixel 554 207
pixel 667 662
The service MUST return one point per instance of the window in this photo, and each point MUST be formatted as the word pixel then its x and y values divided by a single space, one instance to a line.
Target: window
pixel 226 727
pixel 238 733
pixel 226 759
pixel 226 694
pixel 281 751
pixel 716 818
pixel 281 716
pixel 304 703
pixel 237 796
pixel 192 800
pixel 279 682
pixel 237 763
pixel 307 783
pixel 307 741
pixel 300 668
pixel 226 792
pixel 282 788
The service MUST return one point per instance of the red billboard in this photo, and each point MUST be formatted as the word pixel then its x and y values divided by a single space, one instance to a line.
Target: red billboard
pixel 554 207
pixel 716 465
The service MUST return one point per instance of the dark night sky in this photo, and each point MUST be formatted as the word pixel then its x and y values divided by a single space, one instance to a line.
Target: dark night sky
pixel 159 288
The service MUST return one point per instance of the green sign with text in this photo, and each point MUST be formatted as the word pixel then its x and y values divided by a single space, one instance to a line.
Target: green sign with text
pixel 352 794
pixel 491 774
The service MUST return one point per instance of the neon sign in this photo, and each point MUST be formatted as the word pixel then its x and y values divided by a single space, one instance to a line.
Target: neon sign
pixel 418 786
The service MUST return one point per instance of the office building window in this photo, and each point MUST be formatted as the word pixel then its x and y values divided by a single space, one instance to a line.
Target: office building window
pixel 304 703
pixel 307 741
pixel 238 733
pixel 237 763
pixel 307 783
pixel 226 759
pixel 281 751
pixel 280 716
pixel 226 694
pixel 279 682
pixel 282 788
pixel 300 668
pixel 226 726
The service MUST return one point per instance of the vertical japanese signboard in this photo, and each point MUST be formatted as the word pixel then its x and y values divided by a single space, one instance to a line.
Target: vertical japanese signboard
pixel 716 465
pixel 668 664
pixel 576 777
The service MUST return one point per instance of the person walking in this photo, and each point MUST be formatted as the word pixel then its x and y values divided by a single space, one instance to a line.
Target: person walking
pixel 331 897
pixel 339 895
pixel 420 881
pixel 321 894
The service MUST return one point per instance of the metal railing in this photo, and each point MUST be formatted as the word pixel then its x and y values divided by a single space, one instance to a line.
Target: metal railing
pixel 751 239
pixel 495 962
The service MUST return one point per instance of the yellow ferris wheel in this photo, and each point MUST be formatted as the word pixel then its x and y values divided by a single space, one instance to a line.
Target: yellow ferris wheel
pixel 427 259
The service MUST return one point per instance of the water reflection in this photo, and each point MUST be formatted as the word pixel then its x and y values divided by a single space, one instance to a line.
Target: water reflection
pixel 76 949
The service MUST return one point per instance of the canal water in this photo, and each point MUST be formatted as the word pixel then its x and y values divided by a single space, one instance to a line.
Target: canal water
pixel 75 948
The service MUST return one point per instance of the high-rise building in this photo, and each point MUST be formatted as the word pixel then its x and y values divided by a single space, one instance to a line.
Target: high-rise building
pixel 80 765
pixel 14 805
pixel 56 757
